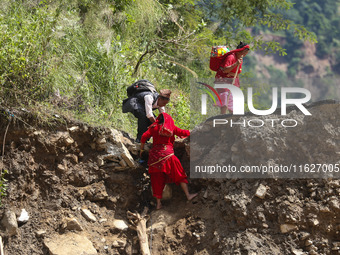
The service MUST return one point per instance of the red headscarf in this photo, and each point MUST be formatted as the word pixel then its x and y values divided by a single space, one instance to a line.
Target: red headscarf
pixel 167 126
pixel 237 50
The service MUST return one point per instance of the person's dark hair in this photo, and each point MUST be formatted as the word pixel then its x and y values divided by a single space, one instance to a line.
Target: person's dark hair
pixel 241 45
pixel 161 119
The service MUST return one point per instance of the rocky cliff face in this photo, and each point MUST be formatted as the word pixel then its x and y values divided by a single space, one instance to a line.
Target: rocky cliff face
pixel 307 145
pixel 77 183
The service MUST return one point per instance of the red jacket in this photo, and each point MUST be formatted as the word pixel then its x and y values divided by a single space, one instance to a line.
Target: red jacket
pixel 158 139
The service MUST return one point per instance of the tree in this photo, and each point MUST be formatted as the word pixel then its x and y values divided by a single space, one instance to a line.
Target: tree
pixel 235 17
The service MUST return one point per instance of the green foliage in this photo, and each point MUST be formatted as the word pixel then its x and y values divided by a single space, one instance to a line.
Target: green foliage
pixel 79 56
pixel 337 62
pixel 321 18
pixel 323 49
pixel 180 110
pixel 24 39
pixel 3 185
pixel 235 16
pixel 277 76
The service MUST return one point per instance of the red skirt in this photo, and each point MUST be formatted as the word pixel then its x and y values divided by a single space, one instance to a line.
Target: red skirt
pixel 171 172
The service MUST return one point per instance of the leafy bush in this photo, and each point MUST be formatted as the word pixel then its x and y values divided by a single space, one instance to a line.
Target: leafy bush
pixel 3 185
pixel 179 109
pixel 24 61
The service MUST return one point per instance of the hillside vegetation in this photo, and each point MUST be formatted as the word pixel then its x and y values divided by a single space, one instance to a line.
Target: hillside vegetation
pixel 77 57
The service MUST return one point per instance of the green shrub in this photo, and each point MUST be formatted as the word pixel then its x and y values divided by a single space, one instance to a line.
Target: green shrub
pixel 25 37
pixel 3 185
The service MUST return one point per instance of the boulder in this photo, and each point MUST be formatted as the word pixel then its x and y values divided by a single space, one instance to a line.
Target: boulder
pixel 9 221
pixel 70 244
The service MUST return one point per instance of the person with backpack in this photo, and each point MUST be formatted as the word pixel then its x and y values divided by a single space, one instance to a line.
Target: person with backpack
pixel 228 71
pixel 142 100
pixel 148 103
pixel 164 166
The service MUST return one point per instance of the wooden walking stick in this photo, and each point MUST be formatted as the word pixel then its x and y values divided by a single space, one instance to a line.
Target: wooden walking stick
pixel 238 67
pixel 1 247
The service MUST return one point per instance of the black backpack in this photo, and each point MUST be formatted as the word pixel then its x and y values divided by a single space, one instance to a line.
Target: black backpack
pixel 140 86
pixel 131 104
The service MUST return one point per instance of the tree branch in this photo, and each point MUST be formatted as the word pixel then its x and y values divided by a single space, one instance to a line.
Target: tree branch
pixel 140 60
pixel 138 222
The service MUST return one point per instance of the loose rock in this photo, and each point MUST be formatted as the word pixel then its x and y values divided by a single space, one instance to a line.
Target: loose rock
pixel 285 228
pixel 88 215
pixel 120 224
pixel 23 218
pixel 261 191
pixel 9 221
pixel 73 224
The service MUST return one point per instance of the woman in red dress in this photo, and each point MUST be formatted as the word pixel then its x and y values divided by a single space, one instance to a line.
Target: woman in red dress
pixel 228 73
pixel 164 166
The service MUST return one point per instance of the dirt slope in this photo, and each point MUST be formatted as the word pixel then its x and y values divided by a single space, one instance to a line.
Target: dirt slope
pixel 56 172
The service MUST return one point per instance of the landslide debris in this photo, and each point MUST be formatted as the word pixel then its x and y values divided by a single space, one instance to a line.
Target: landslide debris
pixel 77 183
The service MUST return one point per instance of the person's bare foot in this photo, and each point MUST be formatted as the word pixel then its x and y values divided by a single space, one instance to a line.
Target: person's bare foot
pixel 191 196
pixel 159 206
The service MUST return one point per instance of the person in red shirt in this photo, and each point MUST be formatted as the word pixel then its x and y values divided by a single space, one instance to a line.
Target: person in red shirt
pixel 164 166
pixel 228 72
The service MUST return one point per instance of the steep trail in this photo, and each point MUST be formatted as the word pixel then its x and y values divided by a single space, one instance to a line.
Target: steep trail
pixel 61 172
